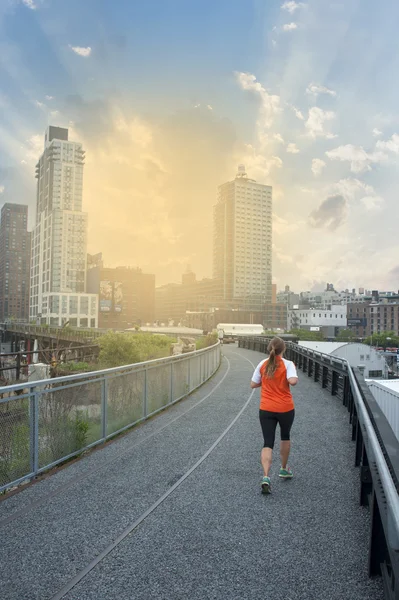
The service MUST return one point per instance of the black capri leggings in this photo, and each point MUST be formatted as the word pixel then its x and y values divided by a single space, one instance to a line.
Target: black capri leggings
pixel 268 422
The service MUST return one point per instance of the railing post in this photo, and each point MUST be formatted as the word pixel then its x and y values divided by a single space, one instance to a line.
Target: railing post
pixel 345 399
pixel 334 382
pixel 366 483
pixel 189 374
pixel 18 367
pixel 145 393
pixel 171 382
pixel 34 430
pixel 377 540
pixel 104 408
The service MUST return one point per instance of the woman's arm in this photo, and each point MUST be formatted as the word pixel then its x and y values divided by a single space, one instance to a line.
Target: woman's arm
pixel 292 375
pixel 255 385
pixel 256 380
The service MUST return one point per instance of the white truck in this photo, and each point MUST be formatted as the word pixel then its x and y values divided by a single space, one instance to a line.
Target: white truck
pixel 232 331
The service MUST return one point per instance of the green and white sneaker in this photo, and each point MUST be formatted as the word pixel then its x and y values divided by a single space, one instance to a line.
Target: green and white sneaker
pixel 266 486
pixel 286 473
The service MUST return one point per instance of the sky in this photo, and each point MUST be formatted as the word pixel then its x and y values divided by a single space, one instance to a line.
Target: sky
pixel 169 96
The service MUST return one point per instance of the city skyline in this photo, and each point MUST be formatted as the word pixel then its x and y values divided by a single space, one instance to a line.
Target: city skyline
pixel 284 95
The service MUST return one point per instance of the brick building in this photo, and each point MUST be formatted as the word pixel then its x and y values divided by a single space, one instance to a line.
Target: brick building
pixel 15 255
pixel 126 295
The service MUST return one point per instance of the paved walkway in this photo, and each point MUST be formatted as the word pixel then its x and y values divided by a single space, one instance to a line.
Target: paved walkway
pixel 214 536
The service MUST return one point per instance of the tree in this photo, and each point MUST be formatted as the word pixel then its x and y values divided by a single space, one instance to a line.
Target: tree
pixel 117 349
pixel 383 339
pixel 345 335
pixel 305 335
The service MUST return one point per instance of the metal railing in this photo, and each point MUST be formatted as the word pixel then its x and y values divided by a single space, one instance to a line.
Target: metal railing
pixel 14 366
pixel 376 452
pixel 44 423
pixel 70 334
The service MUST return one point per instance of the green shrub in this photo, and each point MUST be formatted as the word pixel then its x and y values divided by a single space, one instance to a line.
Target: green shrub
pixel 208 340
pixel 119 349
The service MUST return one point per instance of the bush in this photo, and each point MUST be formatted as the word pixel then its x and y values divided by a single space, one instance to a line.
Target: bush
pixel 70 368
pixel 207 340
pixel 119 349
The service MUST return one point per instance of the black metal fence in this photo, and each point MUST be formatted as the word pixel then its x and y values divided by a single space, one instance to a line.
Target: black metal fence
pixel 376 452
pixel 14 366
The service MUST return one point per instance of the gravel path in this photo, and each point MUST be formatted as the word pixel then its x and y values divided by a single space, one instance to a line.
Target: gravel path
pixel 215 536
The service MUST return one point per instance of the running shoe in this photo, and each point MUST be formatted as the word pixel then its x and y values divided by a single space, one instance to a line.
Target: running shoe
pixel 266 487
pixel 286 473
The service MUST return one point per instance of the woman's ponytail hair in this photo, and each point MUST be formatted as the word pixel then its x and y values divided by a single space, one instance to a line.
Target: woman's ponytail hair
pixel 275 348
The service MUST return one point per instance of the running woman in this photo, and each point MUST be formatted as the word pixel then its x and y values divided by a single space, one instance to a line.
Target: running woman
pixel 275 375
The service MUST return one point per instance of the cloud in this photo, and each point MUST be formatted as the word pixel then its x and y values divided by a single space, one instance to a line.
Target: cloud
pixel 392 144
pixel 376 132
pixel 298 113
pixel 372 203
pixel 279 138
pixel 317 166
pixel 209 107
pixel 282 226
pixel 33 147
pixel 270 103
pixel 316 120
pixel 39 104
pixel 359 159
pixel 2 188
pixel 394 272
pixel 258 165
pixel 81 51
pixel 290 26
pixel 30 4
pixel 355 191
pixel 291 6
pixel 315 89
pixel 330 214
pixel 292 149
pixel 351 187
pixel 49 97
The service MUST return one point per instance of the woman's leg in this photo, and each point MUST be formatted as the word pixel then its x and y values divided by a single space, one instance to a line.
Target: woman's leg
pixel 286 420
pixel 268 421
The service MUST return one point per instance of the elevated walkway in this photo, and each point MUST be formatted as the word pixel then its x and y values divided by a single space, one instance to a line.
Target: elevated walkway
pixel 173 509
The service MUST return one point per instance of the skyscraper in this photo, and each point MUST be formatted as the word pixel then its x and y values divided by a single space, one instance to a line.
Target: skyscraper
pixel 15 242
pixel 59 255
pixel 242 256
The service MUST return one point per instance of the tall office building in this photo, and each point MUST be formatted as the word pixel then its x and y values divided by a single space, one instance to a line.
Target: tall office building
pixel 242 258
pixel 15 242
pixel 59 256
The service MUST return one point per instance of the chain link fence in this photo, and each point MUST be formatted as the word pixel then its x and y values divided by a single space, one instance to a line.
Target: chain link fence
pixel 43 423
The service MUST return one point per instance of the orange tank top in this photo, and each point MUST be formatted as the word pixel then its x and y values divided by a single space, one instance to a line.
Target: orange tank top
pixel 275 391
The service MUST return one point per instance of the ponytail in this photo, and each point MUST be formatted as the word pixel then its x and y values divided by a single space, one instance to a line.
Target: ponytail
pixel 275 348
pixel 271 365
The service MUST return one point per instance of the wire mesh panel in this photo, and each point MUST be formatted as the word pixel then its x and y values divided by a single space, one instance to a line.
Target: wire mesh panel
pixel 180 378
pixel 195 372
pixel 158 387
pixel 125 397
pixel 207 365
pixel 69 419
pixel 42 424
pixel 14 439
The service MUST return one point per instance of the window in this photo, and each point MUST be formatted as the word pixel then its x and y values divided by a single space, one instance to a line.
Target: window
pixel 375 373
